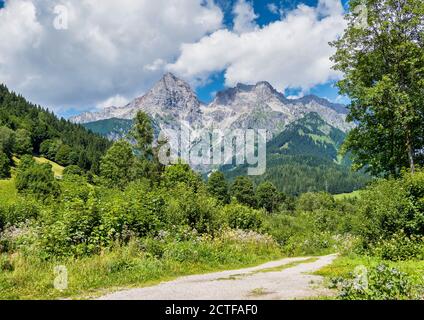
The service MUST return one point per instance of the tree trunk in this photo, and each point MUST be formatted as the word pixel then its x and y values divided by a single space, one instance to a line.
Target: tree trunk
pixel 410 151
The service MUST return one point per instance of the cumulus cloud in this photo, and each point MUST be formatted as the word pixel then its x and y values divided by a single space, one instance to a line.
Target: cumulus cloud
pixel 110 48
pixel 244 17
pixel 289 53
pixel 115 101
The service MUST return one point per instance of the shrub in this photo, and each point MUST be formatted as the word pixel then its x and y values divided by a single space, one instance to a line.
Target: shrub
pixel 400 247
pixel 311 201
pixel 389 206
pixel 243 190
pixel 73 170
pixel 20 211
pixel 181 173
pixel 238 216
pixel 218 187
pixel 36 179
pixel 268 197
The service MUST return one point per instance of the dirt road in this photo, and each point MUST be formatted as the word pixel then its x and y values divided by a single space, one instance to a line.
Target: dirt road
pixel 288 278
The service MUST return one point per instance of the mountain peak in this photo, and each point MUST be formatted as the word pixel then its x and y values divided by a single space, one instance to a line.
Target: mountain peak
pixel 169 76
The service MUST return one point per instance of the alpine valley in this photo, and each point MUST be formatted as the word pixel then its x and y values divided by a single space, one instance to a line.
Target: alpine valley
pixel 304 135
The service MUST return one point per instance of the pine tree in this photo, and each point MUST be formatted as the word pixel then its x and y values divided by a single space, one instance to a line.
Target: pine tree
pixel 244 192
pixel 218 187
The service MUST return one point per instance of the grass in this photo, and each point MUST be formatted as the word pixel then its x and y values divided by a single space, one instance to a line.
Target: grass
pixel 343 266
pixel 25 277
pixel 57 169
pixel 8 192
pixel 344 196
pixel 287 265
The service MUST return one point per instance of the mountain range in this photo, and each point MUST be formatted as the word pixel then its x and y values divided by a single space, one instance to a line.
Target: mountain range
pixel 171 102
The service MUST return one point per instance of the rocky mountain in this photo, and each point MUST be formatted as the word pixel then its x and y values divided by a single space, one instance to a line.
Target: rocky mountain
pixel 172 102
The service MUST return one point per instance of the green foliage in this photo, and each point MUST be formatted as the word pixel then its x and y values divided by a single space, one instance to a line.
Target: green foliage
pixel 181 173
pixel 238 216
pixel 4 166
pixel 41 125
pixel 142 132
pixel 382 64
pixel 389 206
pixel 23 143
pixel 36 179
pixel 243 190
pixel 195 209
pixel 311 201
pixel 73 170
pixel 7 141
pixel 268 197
pixel 400 248
pixel 117 165
pixel 20 211
pixel 218 187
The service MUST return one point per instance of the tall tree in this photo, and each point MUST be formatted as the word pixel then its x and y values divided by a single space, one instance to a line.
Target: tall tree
pixel 23 144
pixel 142 132
pixel 382 60
pixel 218 187
pixel 116 166
pixel 243 190
pixel 268 197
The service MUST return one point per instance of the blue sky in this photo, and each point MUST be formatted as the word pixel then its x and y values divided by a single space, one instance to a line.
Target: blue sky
pixel 88 66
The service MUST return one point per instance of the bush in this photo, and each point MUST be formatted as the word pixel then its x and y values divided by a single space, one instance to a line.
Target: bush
pixel 389 206
pixel 238 216
pixel 4 165
pixel 20 211
pixel 400 247
pixel 194 209
pixel 178 174
pixel 36 179
pixel 311 201
pixel 73 170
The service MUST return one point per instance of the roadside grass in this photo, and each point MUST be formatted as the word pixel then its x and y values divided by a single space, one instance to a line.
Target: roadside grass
pixel 343 266
pixel 123 267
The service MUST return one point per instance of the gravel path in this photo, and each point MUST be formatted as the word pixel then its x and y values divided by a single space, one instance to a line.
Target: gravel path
pixel 292 282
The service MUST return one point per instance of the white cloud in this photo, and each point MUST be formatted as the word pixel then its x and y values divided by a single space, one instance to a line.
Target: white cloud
pixel 272 7
pixel 110 47
pixel 290 53
pixel 115 101
pixel 244 17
